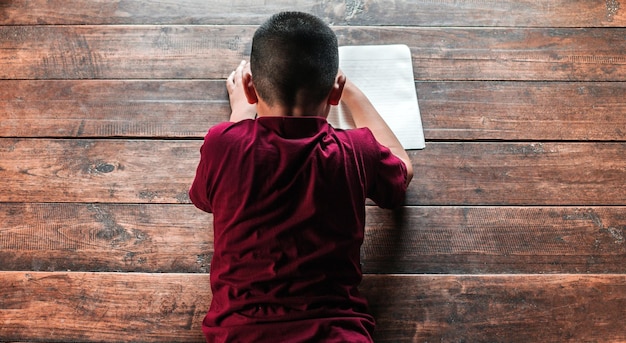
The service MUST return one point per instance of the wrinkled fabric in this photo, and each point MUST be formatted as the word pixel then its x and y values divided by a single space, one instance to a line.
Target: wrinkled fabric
pixel 288 201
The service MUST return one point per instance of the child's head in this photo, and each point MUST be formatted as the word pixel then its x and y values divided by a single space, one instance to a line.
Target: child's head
pixel 294 58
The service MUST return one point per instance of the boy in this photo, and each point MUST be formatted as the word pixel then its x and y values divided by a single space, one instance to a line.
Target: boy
pixel 287 192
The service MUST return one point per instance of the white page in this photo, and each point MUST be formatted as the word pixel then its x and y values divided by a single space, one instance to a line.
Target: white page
pixel 385 74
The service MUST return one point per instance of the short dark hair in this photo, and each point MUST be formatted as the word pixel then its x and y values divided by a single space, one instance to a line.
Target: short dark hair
pixel 293 55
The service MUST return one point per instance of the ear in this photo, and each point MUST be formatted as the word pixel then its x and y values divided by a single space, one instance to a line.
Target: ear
pixel 248 88
pixel 335 93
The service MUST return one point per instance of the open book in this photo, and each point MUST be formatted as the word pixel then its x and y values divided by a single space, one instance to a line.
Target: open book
pixel 385 74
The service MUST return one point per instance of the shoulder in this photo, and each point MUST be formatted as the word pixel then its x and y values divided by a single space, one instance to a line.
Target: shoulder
pixel 361 137
pixel 226 130
pixel 363 141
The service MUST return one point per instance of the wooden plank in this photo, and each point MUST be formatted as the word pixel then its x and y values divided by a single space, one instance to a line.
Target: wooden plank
pixel 482 239
pixel 105 237
pixel 557 111
pixel 186 52
pixel 108 108
pixel 518 174
pixel 43 170
pixel 186 108
pixel 178 238
pixel 93 52
pixel 115 307
pixel 160 171
pixel 498 308
pixel 541 13
pixel 103 307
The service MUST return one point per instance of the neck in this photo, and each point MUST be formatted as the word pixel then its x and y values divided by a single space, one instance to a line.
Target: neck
pixel 279 110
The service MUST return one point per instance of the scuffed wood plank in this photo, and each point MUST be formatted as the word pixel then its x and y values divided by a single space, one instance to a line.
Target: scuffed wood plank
pixel 186 108
pixel 482 239
pixel 121 52
pixel 507 174
pixel 107 171
pixel 186 52
pixel 542 13
pixel 555 111
pixel 158 171
pixel 107 108
pixel 494 308
pixel 103 307
pixel 178 238
pixel 105 237
pixel 95 307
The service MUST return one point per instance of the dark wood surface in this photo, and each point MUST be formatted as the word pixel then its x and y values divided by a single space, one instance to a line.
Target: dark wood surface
pixel 206 52
pixel 448 173
pixel 412 308
pixel 434 239
pixel 514 228
pixel 521 13
pixel 451 110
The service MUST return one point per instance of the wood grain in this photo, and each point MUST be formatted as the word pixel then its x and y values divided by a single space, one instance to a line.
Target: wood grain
pixel 110 108
pixel 518 174
pixel 161 171
pixel 477 240
pixel 498 308
pixel 528 13
pixel 105 237
pixel 208 52
pixel 513 229
pixel 553 111
pixel 473 110
pixel 96 307
pixel 44 170
pixel 103 307
pixel 178 239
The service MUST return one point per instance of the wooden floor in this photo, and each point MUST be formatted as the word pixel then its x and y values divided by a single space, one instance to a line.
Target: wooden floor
pixel 514 227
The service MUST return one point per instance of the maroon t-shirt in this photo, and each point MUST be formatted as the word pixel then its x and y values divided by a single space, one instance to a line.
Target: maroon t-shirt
pixel 288 201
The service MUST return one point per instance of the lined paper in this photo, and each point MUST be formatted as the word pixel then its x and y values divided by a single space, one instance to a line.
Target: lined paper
pixel 385 74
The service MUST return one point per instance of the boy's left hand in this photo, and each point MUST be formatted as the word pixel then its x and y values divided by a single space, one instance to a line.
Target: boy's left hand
pixel 239 105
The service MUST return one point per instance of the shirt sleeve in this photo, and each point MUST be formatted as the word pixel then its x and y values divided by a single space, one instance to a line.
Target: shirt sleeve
pixel 388 186
pixel 199 191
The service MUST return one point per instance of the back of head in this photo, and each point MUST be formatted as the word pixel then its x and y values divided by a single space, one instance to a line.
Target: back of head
pixel 294 58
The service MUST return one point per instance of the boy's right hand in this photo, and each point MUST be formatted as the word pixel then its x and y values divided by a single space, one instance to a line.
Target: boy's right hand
pixel 240 107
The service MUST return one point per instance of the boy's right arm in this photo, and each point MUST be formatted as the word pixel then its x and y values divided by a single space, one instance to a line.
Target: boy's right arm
pixel 365 115
pixel 240 107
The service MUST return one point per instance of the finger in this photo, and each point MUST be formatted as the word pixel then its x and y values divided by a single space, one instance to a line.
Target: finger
pixel 239 70
pixel 231 79
pixel 230 82
pixel 237 74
